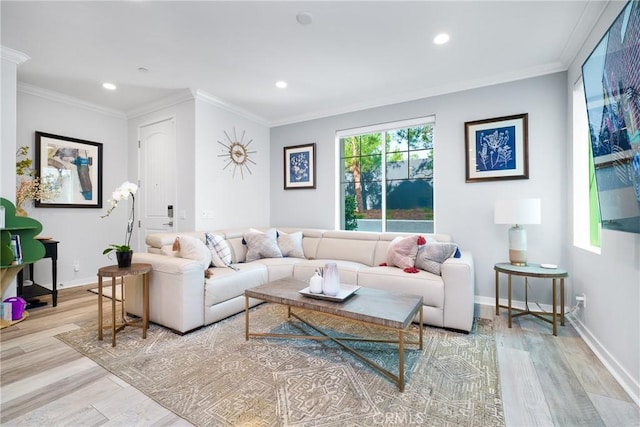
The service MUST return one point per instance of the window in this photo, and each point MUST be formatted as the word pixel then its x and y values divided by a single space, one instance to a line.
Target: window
pixel 586 209
pixel 386 177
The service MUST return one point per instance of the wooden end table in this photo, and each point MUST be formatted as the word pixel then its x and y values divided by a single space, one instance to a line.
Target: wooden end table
pixel 527 271
pixel 114 272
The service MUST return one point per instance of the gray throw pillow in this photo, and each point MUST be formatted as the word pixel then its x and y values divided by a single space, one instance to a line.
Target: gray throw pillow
pixel 431 256
pixel 261 245
pixel 291 244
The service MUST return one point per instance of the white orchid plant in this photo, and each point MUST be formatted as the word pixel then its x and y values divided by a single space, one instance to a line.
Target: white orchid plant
pixel 122 193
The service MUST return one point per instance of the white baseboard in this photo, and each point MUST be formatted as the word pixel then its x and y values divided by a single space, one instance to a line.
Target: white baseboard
pixel 625 380
pixel 78 282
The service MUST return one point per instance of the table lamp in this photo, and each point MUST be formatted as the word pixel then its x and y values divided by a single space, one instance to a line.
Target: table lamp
pixel 517 212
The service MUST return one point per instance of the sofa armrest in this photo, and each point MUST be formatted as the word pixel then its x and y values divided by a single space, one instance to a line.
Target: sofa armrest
pixel 458 275
pixel 176 292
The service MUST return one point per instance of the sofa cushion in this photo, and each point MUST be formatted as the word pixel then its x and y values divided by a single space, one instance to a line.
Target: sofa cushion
pixel 261 245
pixel 431 256
pixel 193 248
pixel 290 244
pixel 220 250
pixel 348 246
pixel 278 268
pixel 227 283
pixel 348 270
pixel 427 285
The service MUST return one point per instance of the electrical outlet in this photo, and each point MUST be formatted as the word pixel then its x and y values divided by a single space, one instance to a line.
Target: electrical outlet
pixel 582 298
pixel 76 266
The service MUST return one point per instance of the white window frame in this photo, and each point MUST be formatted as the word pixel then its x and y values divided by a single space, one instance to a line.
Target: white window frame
pixel 581 210
pixel 381 127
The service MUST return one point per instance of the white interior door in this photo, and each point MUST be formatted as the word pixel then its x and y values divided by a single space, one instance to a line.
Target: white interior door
pixel 157 154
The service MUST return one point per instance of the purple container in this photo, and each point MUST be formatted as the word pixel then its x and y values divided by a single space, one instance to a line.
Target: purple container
pixel 17 307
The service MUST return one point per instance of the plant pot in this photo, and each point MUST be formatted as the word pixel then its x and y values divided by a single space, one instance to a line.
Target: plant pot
pixel 124 259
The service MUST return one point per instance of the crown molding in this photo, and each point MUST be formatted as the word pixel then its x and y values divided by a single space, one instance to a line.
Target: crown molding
pixel 13 55
pixel 169 101
pixel 427 93
pixel 220 103
pixel 68 100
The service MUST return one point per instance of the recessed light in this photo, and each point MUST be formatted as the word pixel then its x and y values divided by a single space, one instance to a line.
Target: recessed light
pixel 281 84
pixel 304 18
pixel 109 86
pixel 441 38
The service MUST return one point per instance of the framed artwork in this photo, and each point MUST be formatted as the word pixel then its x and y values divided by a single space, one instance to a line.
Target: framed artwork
pixel 496 149
pixel 300 167
pixel 75 166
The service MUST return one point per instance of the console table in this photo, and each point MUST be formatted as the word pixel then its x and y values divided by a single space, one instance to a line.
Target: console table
pixel 29 293
pixel 527 271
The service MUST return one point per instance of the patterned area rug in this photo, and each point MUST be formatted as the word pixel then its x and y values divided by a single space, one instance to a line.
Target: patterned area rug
pixel 213 377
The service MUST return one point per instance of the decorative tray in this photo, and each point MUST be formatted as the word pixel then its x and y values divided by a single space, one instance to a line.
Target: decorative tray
pixel 345 292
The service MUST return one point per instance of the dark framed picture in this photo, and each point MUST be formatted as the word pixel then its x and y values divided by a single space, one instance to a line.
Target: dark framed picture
pixel 74 165
pixel 300 167
pixel 497 149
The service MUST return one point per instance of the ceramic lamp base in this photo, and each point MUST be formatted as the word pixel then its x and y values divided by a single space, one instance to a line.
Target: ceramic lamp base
pixel 518 246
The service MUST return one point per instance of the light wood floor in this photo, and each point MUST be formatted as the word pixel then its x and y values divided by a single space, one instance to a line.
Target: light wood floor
pixel 546 380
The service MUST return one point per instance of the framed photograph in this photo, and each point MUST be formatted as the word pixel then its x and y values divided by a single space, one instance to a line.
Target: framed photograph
pixel 496 149
pixel 75 166
pixel 300 167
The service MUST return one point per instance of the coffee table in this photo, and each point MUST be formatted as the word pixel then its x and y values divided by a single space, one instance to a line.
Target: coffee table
pixel 390 310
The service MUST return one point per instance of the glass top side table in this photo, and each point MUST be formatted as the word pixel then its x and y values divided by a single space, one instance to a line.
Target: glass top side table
pixel 532 271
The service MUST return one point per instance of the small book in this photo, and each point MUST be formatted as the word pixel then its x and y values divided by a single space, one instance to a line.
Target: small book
pixel 16 247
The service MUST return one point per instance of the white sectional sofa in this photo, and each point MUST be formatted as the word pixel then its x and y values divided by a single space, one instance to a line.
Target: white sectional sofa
pixel 183 300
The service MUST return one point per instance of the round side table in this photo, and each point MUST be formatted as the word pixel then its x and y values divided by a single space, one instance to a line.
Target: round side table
pixel 527 271
pixel 114 272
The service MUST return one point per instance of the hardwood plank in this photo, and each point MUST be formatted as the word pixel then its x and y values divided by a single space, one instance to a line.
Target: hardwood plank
pixel 31 363
pixel 59 397
pixel 567 400
pixel 130 407
pixel 593 376
pixel 44 378
pixel 522 395
pixel 616 412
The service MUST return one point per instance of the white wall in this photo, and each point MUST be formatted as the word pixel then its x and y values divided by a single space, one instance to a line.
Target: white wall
pixel 611 279
pixel 81 232
pixel 233 201
pixel 9 60
pixel 464 210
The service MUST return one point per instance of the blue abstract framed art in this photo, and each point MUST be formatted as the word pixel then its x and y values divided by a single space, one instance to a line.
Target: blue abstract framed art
pixel 497 149
pixel 300 167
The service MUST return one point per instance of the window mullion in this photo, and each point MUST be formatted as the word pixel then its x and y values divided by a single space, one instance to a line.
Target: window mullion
pixel 383 184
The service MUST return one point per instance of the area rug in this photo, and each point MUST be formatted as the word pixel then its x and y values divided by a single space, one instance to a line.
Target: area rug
pixel 214 377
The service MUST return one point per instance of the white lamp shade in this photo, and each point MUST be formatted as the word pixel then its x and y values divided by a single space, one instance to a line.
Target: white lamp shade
pixel 517 211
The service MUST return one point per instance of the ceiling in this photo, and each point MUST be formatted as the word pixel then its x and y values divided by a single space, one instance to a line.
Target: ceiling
pixel 354 55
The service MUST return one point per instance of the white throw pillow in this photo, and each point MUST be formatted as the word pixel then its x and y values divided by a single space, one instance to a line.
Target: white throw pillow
pixel 402 252
pixel 193 248
pixel 291 244
pixel 261 245
pixel 220 250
